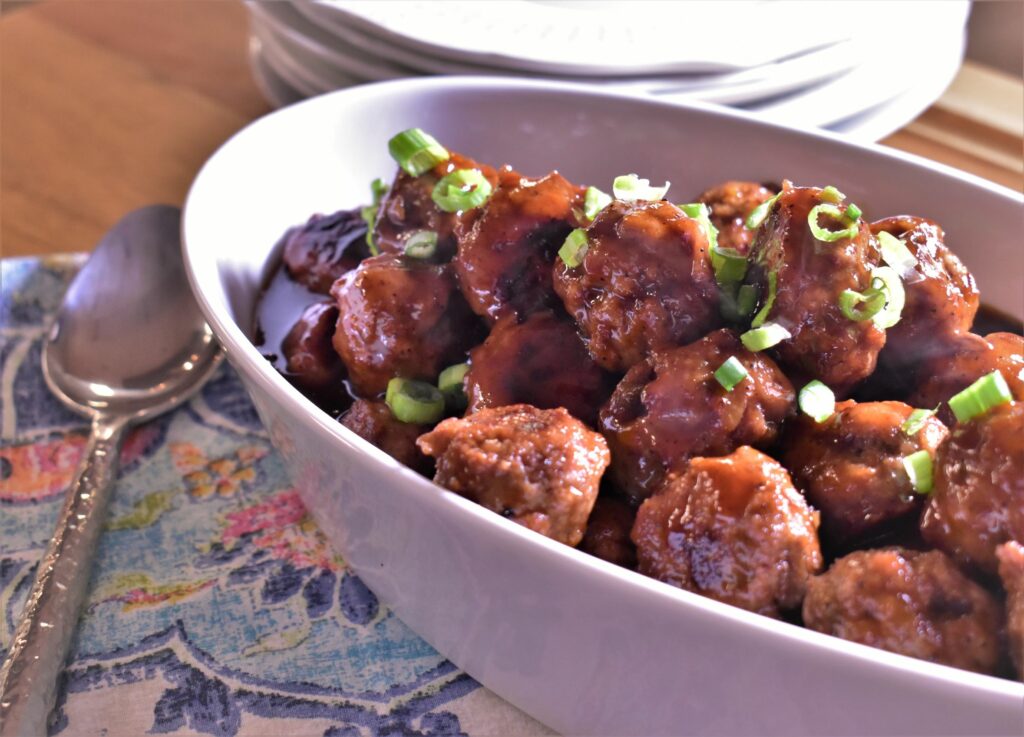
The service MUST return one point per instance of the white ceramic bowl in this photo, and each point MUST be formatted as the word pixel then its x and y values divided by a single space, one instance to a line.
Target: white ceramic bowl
pixel 584 646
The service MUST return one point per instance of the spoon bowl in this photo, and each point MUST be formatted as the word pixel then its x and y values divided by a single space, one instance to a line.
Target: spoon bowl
pixel 128 343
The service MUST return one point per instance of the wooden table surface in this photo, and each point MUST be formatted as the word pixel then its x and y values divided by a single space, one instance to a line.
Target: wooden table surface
pixel 110 105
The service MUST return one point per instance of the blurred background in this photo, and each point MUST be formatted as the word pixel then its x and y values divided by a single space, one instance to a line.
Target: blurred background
pixel 111 104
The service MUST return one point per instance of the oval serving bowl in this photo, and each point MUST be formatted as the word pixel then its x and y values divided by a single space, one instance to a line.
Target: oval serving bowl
pixel 582 645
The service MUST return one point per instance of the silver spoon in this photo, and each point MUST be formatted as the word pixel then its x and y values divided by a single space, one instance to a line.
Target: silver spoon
pixel 129 343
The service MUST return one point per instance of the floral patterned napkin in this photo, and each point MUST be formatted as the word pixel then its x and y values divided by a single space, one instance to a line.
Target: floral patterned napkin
pixel 217 606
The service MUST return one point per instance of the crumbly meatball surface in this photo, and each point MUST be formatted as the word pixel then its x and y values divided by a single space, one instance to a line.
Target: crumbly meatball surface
pixel 670 407
pixel 539 361
pixel 373 421
pixel 505 254
pixel 958 362
pixel 608 530
pixel 399 316
pixel 326 247
pixel 851 466
pixel 731 203
pixel 908 602
pixel 978 500
pixel 810 276
pixel 733 529
pixel 538 467
pixel 1011 572
pixel 645 283
pixel 408 207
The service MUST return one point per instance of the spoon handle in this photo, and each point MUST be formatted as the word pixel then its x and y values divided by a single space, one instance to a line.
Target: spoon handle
pixel 28 678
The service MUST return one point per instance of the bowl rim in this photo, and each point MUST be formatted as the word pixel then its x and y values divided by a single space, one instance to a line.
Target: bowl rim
pixel 203 272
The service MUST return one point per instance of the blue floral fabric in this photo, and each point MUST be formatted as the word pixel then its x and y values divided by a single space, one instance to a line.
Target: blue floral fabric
pixel 216 605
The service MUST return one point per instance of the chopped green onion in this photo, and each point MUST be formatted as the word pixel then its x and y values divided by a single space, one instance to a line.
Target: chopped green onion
pixel 895 297
pixel 630 188
pixel 463 189
pixel 852 212
pixel 860 306
pixel 987 392
pixel 574 248
pixel 414 402
pixel 823 234
pixel 833 195
pixel 896 254
pixel 762 314
pixel 765 336
pixel 700 212
pixel 759 213
pixel 417 152
pixel 919 468
pixel 422 244
pixel 746 299
pixel 729 264
pixel 450 383
pixel 594 201
pixel 917 419
pixel 730 373
pixel 817 401
pixel 378 188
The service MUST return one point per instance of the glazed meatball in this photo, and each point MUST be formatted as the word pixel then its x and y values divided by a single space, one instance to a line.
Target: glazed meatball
pixel 319 252
pixel 504 257
pixel 810 276
pixel 373 421
pixel 608 531
pixel 851 466
pixel 941 295
pixel 731 203
pixel 312 363
pixel 400 317
pixel 908 602
pixel 733 529
pixel 1011 572
pixel 539 361
pixel 408 206
pixel 978 499
pixel 958 363
pixel 645 283
pixel 538 467
pixel 670 407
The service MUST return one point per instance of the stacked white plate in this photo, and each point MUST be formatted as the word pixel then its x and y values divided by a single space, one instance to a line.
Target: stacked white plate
pixel 863 68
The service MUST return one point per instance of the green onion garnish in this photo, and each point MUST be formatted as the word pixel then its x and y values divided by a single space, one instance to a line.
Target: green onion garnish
pixel 700 212
pixel 817 401
pixel 762 314
pixel 730 373
pixel 896 254
pixel 895 297
pixel 730 265
pixel 823 234
pixel 765 336
pixel 463 189
pixel 860 306
pixel 987 392
pixel 594 201
pixel 759 213
pixel 833 195
pixel 574 248
pixel 852 212
pixel 919 468
pixel 913 424
pixel 417 152
pixel 746 299
pixel 414 402
pixel 422 244
pixel 378 188
pixel 630 188
pixel 451 386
